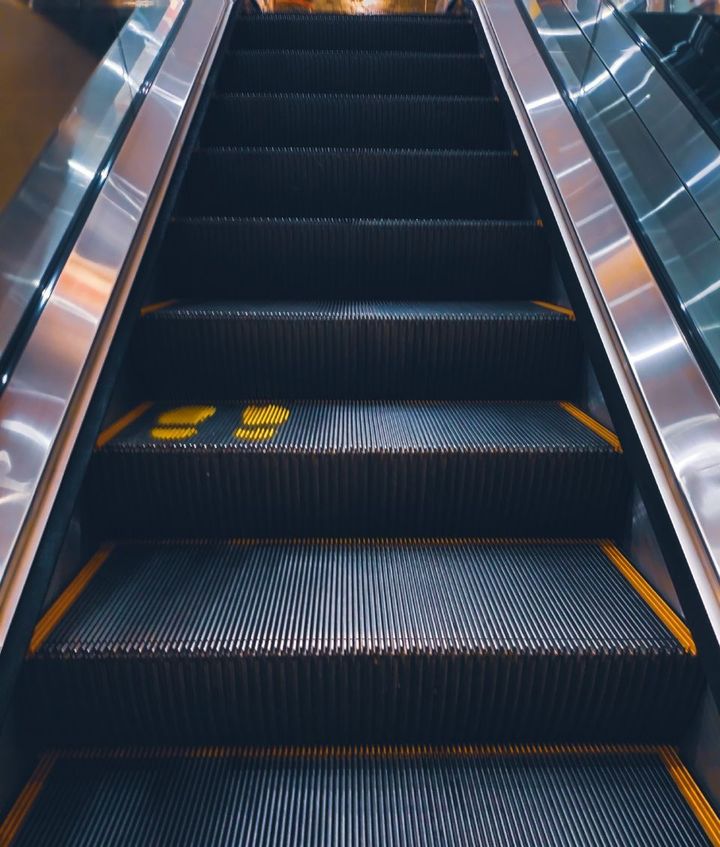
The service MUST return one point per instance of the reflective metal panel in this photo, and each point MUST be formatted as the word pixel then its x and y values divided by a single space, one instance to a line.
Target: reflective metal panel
pixel 694 156
pixel 675 413
pixel 663 207
pixel 35 222
pixel 44 403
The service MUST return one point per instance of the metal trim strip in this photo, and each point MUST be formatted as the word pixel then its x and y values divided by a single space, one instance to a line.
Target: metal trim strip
pixel 44 404
pixel 670 403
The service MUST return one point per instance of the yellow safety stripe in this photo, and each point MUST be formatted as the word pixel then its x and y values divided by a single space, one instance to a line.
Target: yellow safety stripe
pixel 119 425
pixel 57 611
pixel 696 800
pixel 12 824
pixel 155 307
pixel 404 751
pixel 592 424
pixel 553 307
pixel 703 811
pixel 666 614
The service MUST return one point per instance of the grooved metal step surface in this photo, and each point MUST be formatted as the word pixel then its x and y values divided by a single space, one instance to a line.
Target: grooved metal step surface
pixel 365 32
pixel 333 71
pixel 354 258
pixel 395 796
pixel 353 120
pixel 359 349
pixel 373 641
pixel 373 467
pixel 332 182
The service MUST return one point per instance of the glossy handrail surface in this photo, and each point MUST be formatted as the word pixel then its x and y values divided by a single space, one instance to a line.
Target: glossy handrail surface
pixel 665 166
pixel 41 219
pixel 671 404
pixel 45 401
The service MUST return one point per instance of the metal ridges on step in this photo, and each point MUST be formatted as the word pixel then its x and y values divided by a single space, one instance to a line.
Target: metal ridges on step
pixel 354 120
pixel 507 797
pixel 354 468
pixel 350 258
pixel 358 349
pixel 355 32
pixel 362 640
pixel 349 183
pixel 333 71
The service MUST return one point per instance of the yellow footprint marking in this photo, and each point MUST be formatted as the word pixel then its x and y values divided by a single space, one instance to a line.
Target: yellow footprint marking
pixel 181 423
pixel 261 423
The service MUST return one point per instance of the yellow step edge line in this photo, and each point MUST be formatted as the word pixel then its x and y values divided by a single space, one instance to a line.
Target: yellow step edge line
pixel 155 307
pixel 696 800
pixel 392 541
pixel 119 425
pixel 57 611
pixel 323 751
pixel 553 307
pixel 16 817
pixel 666 614
pixel 703 811
pixel 592 424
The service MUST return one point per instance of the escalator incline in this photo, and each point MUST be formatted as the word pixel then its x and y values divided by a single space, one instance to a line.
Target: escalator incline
pixel 359 524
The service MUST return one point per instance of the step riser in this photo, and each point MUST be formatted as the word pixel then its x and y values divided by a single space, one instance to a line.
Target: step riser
pixel 315 121
pixel 229 357
pixel 373 32
pixel 353 73
pixel 347 259
pixel 353 184
pixel 212 493
pixel 364 699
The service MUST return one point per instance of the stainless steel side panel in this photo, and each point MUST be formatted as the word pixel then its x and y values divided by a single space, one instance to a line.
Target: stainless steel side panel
pixel 43 406
pixel 675 413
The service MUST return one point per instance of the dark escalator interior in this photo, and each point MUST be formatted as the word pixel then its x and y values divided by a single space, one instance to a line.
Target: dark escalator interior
pixel 361 577
pixel 689 45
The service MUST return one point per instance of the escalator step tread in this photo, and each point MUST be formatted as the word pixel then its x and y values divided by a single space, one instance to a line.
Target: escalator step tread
pixel 353 72
pixel 360 349
pixel 475 635
pixel 363 596
pixel 356 183
pixel 366 467
pixel 385 427
pixel 352 120
pixel 355 32
pixel 326 257
pixel 516 797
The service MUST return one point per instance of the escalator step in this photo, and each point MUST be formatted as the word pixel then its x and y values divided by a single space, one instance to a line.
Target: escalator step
pixel 345 258
pixel 354 120
pixel 421 33
pixel 360 641
pixel 336 182
pixel 333 71
pixel 505 797
pixel 359 349
pixel 352 468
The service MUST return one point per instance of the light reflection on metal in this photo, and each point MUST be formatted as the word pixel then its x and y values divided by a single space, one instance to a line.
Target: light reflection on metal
pixel 674 411
pixel 690 150
pixel 674 223
pixel 35 222
pixel 44 403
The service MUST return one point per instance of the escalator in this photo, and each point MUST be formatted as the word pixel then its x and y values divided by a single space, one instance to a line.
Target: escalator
pixel 361 578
